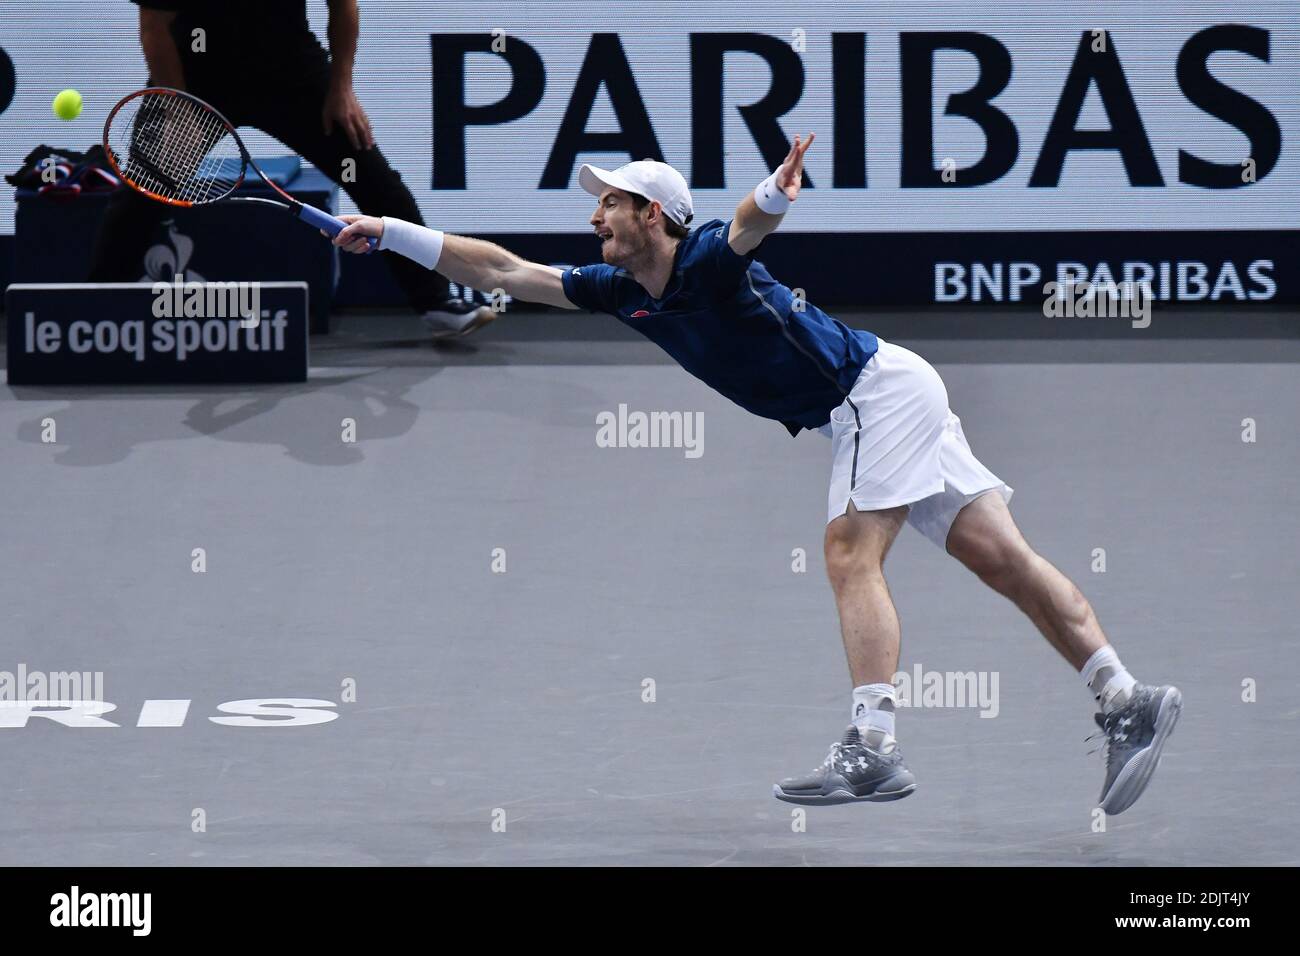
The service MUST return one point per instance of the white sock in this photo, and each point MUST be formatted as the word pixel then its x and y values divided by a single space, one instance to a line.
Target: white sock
pixel 873 714
pixel 1111 685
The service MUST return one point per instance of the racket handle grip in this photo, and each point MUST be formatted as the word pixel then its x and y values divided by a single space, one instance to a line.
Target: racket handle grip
pixel 323 220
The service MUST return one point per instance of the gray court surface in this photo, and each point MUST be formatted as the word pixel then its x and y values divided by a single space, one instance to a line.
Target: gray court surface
pixel 484 696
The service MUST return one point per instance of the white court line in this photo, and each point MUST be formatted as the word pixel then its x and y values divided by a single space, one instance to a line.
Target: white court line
pixel 163 713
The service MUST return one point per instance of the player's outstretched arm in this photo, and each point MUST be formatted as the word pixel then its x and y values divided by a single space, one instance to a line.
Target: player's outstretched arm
pixel 466 261
pixel 760 212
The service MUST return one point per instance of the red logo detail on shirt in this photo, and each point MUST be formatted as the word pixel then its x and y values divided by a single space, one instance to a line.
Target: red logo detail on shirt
pixel 640 314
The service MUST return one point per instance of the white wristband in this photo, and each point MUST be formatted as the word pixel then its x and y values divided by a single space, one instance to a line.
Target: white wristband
pixel 770 197
pixel 418 243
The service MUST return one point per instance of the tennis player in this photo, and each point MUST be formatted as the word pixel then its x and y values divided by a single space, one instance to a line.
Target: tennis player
pixel 898 452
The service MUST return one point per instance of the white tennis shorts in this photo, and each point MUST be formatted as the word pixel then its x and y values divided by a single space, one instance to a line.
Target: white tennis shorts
pixel 894 441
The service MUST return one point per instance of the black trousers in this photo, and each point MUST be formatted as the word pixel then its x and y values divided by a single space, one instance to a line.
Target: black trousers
pixel 282 97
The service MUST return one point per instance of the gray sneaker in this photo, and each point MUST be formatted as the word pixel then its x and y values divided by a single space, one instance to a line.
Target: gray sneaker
pixel 1135 735
pixel 851 772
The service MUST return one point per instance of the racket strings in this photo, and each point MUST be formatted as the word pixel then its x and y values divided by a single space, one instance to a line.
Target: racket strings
pixel 176 149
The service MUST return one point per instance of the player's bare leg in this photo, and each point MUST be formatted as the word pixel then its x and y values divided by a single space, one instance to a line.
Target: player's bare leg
pixel 856 545
pixel 866 764
pixel 1136 719
pixel 984 537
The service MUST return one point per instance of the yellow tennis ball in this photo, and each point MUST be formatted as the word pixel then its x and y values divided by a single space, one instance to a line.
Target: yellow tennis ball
pixel 67 105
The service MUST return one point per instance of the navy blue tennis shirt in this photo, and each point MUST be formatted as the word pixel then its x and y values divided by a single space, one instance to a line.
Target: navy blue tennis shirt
pixel 735 328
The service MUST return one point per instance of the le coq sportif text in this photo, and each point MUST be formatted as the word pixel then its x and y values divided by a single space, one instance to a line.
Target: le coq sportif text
pixel 178 338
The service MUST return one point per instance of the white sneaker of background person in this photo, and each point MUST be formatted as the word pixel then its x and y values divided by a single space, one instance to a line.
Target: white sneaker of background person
pixel 454 317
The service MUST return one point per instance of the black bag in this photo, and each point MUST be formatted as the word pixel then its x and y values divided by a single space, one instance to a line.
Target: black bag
pixel 75 172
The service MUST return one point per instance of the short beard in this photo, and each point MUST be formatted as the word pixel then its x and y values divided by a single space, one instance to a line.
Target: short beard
pixel 640 246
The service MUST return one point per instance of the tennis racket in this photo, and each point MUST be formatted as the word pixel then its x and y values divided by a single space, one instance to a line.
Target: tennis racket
pixel 177 149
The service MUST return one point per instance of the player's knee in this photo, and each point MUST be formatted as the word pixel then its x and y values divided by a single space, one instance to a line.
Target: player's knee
pixel 1001 563
pixel 848 560
pixel 853 571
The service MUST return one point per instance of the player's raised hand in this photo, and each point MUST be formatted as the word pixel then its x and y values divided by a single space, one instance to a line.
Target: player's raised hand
pixel 789 175
pixel 355 237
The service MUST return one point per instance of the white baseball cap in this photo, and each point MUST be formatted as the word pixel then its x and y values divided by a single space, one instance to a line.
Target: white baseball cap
pixel 645 177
